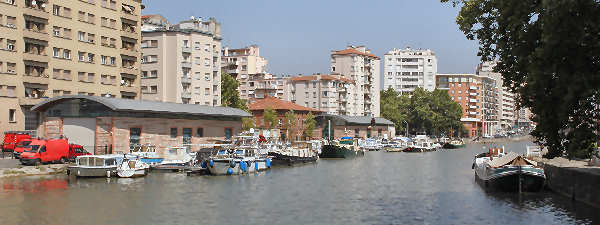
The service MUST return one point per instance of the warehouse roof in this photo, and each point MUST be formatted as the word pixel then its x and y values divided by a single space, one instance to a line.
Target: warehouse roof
pixel 130 105
pixel 359 120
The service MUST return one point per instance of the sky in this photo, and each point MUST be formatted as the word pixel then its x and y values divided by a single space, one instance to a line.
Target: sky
pixel 297 37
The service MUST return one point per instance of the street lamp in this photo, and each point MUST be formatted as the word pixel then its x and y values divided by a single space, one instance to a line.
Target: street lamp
pixel 406 127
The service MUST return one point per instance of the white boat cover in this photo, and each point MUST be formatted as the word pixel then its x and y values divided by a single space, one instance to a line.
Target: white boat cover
pixel 507 159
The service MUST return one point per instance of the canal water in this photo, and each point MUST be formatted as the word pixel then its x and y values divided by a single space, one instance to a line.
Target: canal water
pixel 380 188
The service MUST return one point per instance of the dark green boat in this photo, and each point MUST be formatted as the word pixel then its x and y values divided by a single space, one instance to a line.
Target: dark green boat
pixel 454 144
pixel 345 148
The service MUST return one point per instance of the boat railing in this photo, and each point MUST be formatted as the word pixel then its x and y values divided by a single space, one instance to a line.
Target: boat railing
pixel 534 151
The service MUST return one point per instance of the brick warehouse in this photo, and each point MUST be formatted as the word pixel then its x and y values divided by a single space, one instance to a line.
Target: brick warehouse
pixel 109 125
pixel 354 126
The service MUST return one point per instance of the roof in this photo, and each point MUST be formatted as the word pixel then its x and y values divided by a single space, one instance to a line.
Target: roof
pixel 147 16
pixel 507 159
pixel 361 120
pixel 350 51
pixel 278 104
pixel 130 105
pixel 323 77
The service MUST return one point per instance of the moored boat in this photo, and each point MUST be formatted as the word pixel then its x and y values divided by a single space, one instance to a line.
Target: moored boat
pixel 237 161
pixel 508 172
pixel 130 168
pixel 344 148
pixel 454 144
pixel 298 153
pixel 95 165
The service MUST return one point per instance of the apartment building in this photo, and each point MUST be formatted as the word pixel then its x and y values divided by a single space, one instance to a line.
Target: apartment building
pixel 327 93
pixel 248 67
pixel 478 97
pixel 507 100
pixel 69 47
pixel 357 64
pixel 407 69
pixel 181 62
pixel 262 85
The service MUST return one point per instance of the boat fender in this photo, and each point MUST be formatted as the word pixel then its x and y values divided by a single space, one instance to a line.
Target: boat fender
pixel 211 163
pixel 256 166
pixel 249 164
pixel 203 164
pixel 229 171
pixel 232 164
pixel 268 162
pixel 243 166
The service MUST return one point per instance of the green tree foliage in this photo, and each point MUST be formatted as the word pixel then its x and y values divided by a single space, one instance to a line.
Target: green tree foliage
pixel 432 112
pixel 309 124
pixel 230 96
pixel 270 117
pixel 548 52
pixel 290 124
pixel 248 122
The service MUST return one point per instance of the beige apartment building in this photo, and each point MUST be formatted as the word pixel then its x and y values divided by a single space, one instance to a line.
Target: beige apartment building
pixel 362 67
pixel 250 69
pixel 69 47
pixel 260 86
pixel 507 99
pixel 181 62
pixel 327 93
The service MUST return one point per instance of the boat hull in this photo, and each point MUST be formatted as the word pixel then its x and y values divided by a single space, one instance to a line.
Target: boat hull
pixel 132 173
pixel 286 160
pixel 452 146
pixel 221 167
pixel 92 171
pixel 334 151
pixel 507 179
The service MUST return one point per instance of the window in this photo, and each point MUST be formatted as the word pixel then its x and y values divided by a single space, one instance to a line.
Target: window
pixel 91 77
pixel 228 133
pixel 56 52
pixel 174 132
pixel 200 132
pixel 90 57
pixel 135 134
pixel 10 45
pixel 67 54
pixel 12 115
pixel 356 132
pixel 81 36
pixel 81 76
pixel 56 31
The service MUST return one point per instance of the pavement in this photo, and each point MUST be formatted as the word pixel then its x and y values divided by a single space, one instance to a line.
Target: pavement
pixel 9 163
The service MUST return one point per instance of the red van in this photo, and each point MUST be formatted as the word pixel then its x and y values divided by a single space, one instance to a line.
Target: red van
pixel 21 147
pixel 12 138
pixel 76 150
pixel 46 151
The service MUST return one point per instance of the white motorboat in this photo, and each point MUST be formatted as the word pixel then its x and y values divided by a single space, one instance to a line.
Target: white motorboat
pixel 422 143
pixel 132 168
pixel 249 155
pixel 95 165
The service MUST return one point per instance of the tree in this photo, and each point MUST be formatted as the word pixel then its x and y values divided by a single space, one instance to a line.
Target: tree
pixel 309 125
pixel 248 122
pixel 431 112
pixel 230 96
pixel 548 53
pixel 270 117
pixel 290 123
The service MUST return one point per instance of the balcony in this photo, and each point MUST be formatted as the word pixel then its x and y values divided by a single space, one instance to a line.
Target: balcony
pixel 130 70
pixel 472 113
pixel 130 89
pixel 35 57
pixel 186 80
pixel 130 16
pixel 186 49
pixel 37 35
pixel 186 94
pixel 473 93
pixel 132 35
pixel 35 12
pixel 230 71
pixel 130 52
pixel 30 101
pixel 473 107
pixel 186 64
pixel 473 87
pixel 473 100
pixel 36 79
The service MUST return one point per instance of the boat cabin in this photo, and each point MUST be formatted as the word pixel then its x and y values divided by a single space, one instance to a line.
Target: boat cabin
pixel 98 161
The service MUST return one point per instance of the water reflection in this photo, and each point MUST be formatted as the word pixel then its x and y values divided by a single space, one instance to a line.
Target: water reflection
pixel 380 188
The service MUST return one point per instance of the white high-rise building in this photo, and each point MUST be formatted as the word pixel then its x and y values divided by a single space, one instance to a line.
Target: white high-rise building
pixel 356 63
pixel 507 99
pixel 407 69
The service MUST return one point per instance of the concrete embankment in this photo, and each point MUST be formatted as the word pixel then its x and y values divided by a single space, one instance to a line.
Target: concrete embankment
pixel 501 140
pixel 574 179
pixel 19 170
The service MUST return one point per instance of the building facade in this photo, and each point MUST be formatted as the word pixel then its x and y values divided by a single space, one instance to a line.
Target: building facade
pixel 249 68
pixel 362 67
pixel 506 101
pixel 181 62
pixel 407 69
pixel 54 48
pixel 260 86
pixel 109 125
pixel 331 94
pixel 281 107
pixel 353 126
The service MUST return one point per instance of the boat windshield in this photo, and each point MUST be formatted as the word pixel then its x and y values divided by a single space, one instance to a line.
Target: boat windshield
pixel 110 162
pixel 239 152
pixel 34 148
pixel 346 142
pixel 222 152
pixel 83 161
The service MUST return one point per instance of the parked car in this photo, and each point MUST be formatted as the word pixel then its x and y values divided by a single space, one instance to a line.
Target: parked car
pixel 12 138
pixel 21 147
pixel 46 151
pixel 76 150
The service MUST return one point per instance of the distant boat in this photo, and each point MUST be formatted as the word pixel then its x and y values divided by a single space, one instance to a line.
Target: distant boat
pixel 298 153
pixel 248 155
pixel 346 147
pixel 508 172
pixel 454 144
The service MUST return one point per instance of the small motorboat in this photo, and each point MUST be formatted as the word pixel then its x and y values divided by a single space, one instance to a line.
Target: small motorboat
pixel 299 153
pixel 346 147
pixel 454 144
pixel 508 172
pixel 130 168
pixel 95 165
